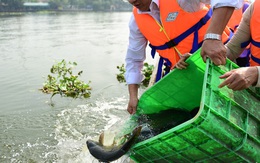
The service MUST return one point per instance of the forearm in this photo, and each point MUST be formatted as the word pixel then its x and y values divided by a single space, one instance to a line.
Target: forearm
pixel 234 48
pixel 221 3
pixel 241 35
pixel 133 90
pixel 258 80
pixel 214 48
pixel 220 19
pixel 136 54
pixel 133 98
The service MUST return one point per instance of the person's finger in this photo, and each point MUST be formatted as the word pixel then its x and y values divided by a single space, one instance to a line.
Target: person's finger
pixel 239 87
pixel 228 81
pixel 235 86
pixel 216 61
pixel 179 67
pixel 227 74
pixel 183 64
pixel 204 56
pixel 232 86
pixel 240 84
pixel 223 60
pixel 224 83
pixel 134 111
pixel 129 110
pixel 186 56
pixel 178 64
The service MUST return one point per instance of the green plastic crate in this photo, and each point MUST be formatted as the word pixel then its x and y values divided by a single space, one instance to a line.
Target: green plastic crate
pixel 226 128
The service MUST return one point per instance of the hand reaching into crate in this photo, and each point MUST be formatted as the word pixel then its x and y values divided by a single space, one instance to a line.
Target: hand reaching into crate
pixel 181 64
pixel 241 78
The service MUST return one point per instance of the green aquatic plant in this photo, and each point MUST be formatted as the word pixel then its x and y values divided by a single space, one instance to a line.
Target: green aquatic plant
pixel 64 82
pixel 120 77
pixel 147 72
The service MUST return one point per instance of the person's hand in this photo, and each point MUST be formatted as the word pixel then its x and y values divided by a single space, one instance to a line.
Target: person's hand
pixel 215 50
pixel 132 105
pixel 181 64
pixel 240 78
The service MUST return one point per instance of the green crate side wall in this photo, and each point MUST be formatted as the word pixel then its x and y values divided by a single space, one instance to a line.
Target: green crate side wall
pixel 162 91
pixel 227 153
pixel 241 113
pixel 244 98
pixel 163 146
pixel 241 107
pixel 184 145
pixel 176 143
pixel 161 97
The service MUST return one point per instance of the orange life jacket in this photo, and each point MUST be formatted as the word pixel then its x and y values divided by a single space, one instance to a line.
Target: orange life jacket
pixel 179 31
pixel 255 35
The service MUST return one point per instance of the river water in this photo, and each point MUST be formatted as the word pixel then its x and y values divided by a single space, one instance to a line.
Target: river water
pixel 33 130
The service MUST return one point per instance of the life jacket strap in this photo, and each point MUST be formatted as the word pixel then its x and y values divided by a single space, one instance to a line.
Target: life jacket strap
pixel 245 44
pixel 175 41
pixel 257 60
pixel 162 62
pixel 257 44
pixel 245 6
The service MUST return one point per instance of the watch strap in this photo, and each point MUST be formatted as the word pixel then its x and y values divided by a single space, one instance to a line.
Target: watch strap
pixel 212 36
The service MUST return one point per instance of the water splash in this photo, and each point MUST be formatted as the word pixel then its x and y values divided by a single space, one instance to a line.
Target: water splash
pixel 61 136
pixel 75 126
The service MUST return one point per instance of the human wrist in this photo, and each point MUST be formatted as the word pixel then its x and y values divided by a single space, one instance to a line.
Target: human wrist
pixel 133 91
pixel 212 36
pixel 257 84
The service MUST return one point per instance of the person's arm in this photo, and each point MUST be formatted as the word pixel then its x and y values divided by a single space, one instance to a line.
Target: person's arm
pixel 220 18
pixel 135 57
pixel 258 80
pixel 133 98
pixel 214 48
pixel 242 35
pixel 241 78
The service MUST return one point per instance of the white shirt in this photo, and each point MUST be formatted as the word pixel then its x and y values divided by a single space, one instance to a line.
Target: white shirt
pixel 136 52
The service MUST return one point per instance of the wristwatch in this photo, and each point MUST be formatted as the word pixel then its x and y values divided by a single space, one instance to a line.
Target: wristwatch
pixel 212 36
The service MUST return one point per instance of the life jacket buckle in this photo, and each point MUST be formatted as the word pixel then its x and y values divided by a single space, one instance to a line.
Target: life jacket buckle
pixel 203 21
pixel 171 43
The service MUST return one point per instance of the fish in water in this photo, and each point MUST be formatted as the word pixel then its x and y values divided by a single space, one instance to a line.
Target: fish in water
pixel 113 152
pixel 148 126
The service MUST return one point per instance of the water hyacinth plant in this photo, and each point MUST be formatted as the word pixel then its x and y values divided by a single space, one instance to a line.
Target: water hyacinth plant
pixel 64 82
pixel 147 72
